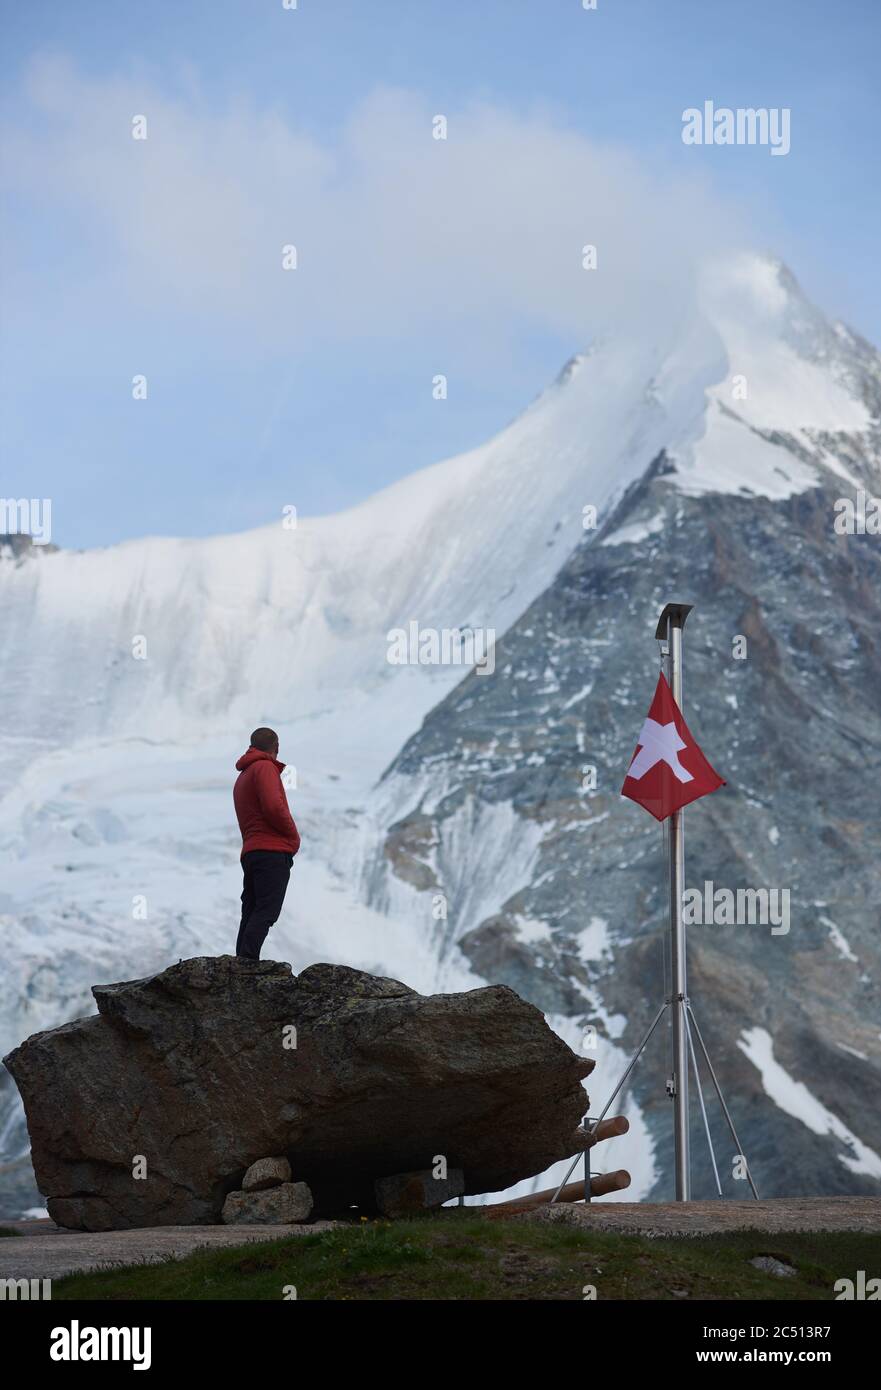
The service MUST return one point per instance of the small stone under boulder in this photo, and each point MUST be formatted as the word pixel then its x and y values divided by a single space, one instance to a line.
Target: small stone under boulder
pixel 408 1194
pixel 287 1205
pixel 266 1172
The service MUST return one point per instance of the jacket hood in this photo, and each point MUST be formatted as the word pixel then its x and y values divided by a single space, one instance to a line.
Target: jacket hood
pixel 253 755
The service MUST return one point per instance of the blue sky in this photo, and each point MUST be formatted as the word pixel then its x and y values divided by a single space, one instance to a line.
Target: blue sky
pixel 312 126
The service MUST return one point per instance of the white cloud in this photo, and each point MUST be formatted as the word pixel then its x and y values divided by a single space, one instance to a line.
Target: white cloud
pixel 396 232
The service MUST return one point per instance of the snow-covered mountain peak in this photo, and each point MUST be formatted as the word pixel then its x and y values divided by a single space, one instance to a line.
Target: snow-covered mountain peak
pixel 786 386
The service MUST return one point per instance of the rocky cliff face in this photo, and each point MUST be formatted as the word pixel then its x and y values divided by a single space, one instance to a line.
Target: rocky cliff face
pixel 151 1112
pixel 16 547
pixel 783 690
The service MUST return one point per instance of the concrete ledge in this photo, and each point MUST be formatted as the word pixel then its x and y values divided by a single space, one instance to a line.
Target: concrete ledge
pixel 46 1251
pixel 780 1214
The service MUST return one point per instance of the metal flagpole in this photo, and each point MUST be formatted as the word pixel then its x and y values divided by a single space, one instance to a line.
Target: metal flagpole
pixel 669 634
pixel 670 625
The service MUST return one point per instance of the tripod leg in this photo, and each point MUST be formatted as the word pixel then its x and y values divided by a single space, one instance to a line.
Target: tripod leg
pixel 633 1061
pixel 722 1103
pixel 700 1096
pixel 569 1171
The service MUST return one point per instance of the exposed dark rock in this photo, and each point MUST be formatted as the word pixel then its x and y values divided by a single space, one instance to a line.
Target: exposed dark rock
pixel 285 1205
pixel 408 1194
pixel 266 1172
pixel 19 546
pixel 792 721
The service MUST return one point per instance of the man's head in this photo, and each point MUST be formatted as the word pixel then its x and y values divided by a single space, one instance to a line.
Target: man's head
pixel 266 740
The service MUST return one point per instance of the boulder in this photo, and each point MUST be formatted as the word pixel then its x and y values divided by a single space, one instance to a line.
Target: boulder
pixel 266 1172
pixel 408 1194
pixel 150 1113
pixel 286 1205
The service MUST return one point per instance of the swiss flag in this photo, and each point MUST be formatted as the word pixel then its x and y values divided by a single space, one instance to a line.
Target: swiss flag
pixel 668 768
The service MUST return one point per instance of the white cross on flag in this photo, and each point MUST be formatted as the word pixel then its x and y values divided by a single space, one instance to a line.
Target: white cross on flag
pixel 668 768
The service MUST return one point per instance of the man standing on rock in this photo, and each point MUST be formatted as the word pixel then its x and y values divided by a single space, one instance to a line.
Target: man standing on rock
pixel 269 840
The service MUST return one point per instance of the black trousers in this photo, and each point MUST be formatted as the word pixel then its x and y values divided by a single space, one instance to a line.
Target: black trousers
pixel 266 874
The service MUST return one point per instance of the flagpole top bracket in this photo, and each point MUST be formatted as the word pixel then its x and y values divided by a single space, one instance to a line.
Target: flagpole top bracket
pixel 677 613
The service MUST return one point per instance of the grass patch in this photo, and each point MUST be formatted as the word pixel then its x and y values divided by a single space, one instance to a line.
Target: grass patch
pixel 8 1231
pixel 458 1256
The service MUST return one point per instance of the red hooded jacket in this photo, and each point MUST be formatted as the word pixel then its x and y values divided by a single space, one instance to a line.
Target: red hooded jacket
pixel 261 804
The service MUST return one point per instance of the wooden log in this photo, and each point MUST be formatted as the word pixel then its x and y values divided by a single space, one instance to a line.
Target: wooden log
pixel 600 1185
pixel 609 1182
pixel 609 1129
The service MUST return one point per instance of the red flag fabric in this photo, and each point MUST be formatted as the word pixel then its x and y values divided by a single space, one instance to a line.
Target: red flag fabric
pixel 668 769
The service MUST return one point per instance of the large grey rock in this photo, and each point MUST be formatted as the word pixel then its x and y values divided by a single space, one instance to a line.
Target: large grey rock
pixel 201 1070
pixel 286 1205
pixel 266 1172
